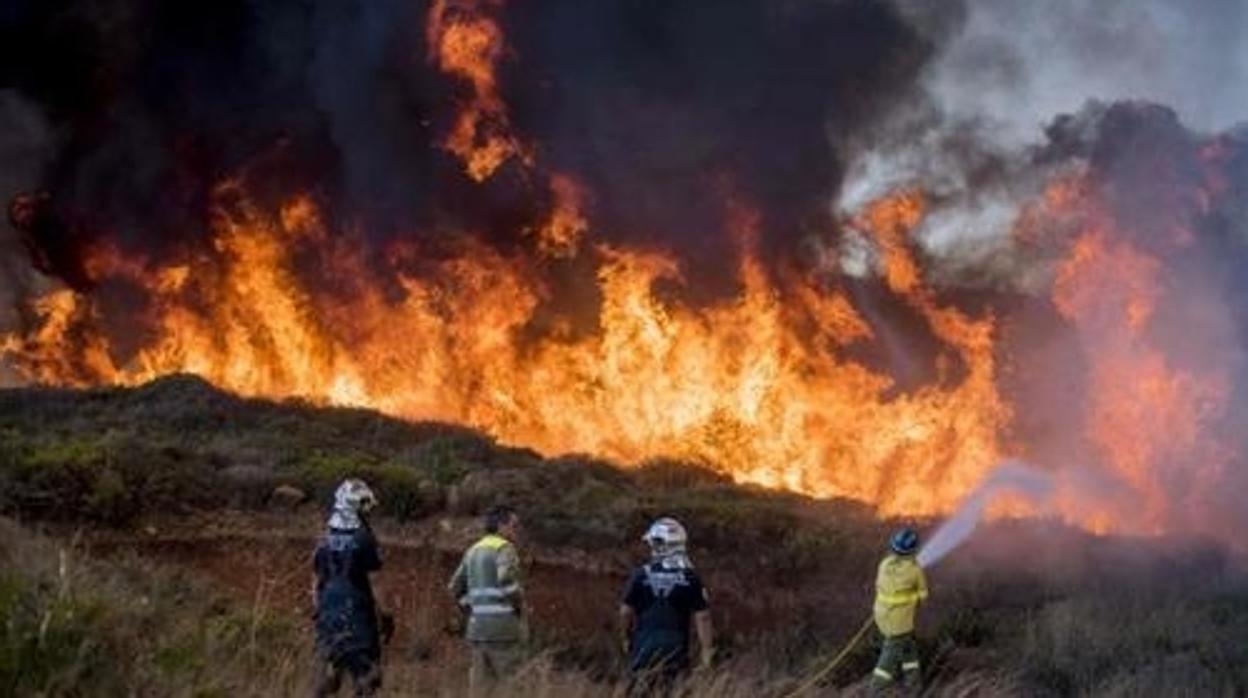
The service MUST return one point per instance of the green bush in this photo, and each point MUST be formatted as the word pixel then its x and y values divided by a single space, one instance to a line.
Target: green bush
pixel 106 477
pixel 323 470
pixel 177 443
pixel 405 493
pixel 445 459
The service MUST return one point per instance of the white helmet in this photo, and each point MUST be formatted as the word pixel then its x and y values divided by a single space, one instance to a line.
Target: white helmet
pixel 353 497
pixel 355 494
pixel 666 537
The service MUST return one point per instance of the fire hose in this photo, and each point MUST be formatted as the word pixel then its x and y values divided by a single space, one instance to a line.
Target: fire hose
pixel 832 665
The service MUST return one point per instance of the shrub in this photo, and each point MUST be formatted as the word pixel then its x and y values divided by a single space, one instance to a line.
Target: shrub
pixel 405 494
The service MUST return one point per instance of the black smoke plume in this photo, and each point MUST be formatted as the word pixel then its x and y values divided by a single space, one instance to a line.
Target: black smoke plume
pixel 664 110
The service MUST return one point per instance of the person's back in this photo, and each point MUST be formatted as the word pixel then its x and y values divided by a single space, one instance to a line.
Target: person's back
pixel 492 586
pixel 487 585
pixel 664 601
pixel 346 610
pixel 900 586
pixel 347 637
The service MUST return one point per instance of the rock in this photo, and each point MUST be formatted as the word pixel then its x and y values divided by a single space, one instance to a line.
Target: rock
pixel 248 485
pixel 247 475
pixel 287 496
pixel 483 488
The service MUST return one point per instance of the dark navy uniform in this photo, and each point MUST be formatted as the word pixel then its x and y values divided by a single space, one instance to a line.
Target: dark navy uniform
pixel 346 614
pixel 663 599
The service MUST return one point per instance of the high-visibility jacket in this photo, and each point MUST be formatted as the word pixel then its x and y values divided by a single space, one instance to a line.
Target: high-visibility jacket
pixel 899 587
pixel 487 582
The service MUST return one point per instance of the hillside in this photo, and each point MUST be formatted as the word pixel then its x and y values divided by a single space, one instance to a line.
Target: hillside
pixel 177 503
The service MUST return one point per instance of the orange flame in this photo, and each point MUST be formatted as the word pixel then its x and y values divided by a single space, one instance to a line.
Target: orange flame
pixel 562 233
pixel 465 42
pixel 1147 416
pixel 757 385
pixel 64 347
pixel 890 219
pixel 754 385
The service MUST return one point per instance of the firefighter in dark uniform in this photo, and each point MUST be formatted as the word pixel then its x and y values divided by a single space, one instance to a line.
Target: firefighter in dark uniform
pixel 663 599
pixel 347 625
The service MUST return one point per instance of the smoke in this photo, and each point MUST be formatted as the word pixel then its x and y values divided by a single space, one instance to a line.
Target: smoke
pixel 26 144
pixel 663 109
pixel 1003 73
pixel 1012 477
pixel 1015 65
pixel 1138 102
pixel 1175 196
pixel 667 108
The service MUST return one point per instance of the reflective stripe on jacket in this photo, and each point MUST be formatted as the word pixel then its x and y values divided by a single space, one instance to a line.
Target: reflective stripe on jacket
pixel 487 582
pixel 899 587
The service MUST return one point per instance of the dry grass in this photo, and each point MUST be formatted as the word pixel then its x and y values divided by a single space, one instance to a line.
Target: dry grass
pixel 73 626
pixel 77 626
pixel 1133 643
pixel 127 626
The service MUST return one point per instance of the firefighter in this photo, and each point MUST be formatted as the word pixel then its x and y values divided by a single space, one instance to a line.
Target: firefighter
pixel 487 586
pixel 662 599
pixel 899 588
pixel 347 623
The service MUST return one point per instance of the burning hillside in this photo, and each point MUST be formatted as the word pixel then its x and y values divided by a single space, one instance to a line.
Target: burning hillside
pixel 613 231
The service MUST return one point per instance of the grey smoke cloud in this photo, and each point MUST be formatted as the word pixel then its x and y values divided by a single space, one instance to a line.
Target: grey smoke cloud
pixel 1006 69
pixel 27 142
pixel 1015 64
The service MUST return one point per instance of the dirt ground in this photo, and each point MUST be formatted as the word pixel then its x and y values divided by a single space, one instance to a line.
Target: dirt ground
pixel 265 562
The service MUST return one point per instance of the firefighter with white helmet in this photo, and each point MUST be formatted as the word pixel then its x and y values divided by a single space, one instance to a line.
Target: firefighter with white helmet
pixel 348 641
pixel 663 598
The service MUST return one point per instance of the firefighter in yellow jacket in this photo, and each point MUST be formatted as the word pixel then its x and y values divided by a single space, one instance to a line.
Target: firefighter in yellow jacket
pixel 487 585
pixel 899 588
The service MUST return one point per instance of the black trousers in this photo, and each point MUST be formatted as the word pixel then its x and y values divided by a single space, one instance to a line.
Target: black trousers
pixel 362 667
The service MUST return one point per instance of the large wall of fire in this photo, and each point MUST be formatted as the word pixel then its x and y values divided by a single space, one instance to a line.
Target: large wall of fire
pixel 637 254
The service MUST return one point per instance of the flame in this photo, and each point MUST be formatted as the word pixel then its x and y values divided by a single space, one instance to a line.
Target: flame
pixel 759 385
pixel 1147 417
pixel 755 385
pixel 64 347
pixel 889 219
pixel 464 41
pixel 562 233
